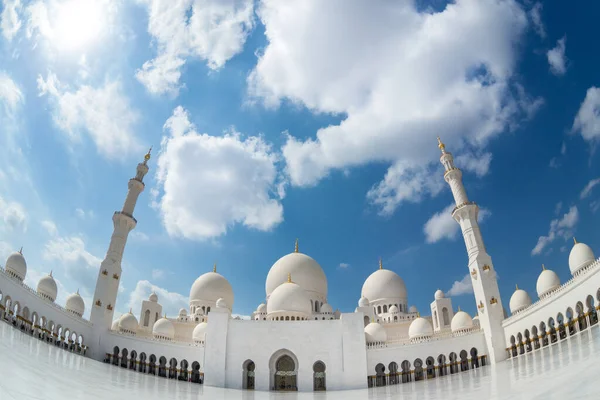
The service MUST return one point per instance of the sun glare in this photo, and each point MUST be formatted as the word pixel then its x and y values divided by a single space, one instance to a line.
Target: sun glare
pixel 78 23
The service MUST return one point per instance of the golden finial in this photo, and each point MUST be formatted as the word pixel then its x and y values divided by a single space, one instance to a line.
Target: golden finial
pixel 372 320
pixel 215 267
pixel 296 246
pixel 441 145
pixel 21 250
pixel 458 308
pixel 50 272
pixel 380 263
pixel 77 290
pixel 289 277
pixel 130 310
pixel 147 156
pixel 543 267
pixel 517 287
pixel 574 240
pixel 165 315
pixel 418 314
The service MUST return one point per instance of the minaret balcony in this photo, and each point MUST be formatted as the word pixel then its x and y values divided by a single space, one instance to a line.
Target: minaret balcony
pixel 126 214
pixel 466 203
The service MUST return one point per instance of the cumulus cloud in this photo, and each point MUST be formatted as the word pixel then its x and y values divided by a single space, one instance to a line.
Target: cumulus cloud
pixel 464 286
pixel 13 214
pixel 10 23
pixel 587 121
pixel 557 58
pixel 559 228
pixel 210 30
pixel 209 183
pixel 587 190
pixel 536 17
pixel 10 93
pixel 398 79
pixel 171 302
pixel 344 265
pixel 103 113
pixel 50 227
pixel 441 225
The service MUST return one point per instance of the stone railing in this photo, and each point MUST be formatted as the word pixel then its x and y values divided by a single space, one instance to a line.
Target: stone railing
pixel 45 299
pixel 405 341
pixel 152 339
pixel 466 203
pixel 127 215
pixel 550 296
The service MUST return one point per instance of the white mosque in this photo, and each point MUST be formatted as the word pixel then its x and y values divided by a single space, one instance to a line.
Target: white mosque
pixel 295 340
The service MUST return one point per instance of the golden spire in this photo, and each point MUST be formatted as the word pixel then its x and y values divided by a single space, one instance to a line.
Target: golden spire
pixel 574 240
pixel 458 308
pixel 215 267
pixel 165 315
pixel 289 277
pixel 130 310
pixel 441 145
pixel 418 314
pixel 296 246
pixel 543 267
pixel 517 287
pixel 77 290
pixel 372 320
pixel 50 272
pixel 147 156
pixel 21 250
pixel 380 263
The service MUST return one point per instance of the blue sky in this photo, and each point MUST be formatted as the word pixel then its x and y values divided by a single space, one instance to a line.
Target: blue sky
pixel 273 121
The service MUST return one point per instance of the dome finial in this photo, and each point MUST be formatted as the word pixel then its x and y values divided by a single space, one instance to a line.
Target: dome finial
pixel 380 263
pixel 215 267
pixel 130 310
pixel 21 250
pixel 289 277
pixel 50 272
pixel 147 156
pixel 296 246
pixel 574 240
pixel 418 314
pixel 543 267
pixel 441 145
pixel 458 308
pixel 516 286
pixel 77 291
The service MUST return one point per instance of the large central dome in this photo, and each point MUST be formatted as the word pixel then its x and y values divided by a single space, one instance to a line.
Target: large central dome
pixel 307 274
pixel 210 287
pixel 384 284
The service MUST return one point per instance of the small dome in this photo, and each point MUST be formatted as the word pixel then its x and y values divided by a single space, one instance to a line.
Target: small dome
pixel 16 265
pixel 412 309
pixel 420 328
pixel 439 294
pixel 199 332
pixel 262 308
pixel 289 297
pixel 153 297
pixel 198 311
pixel 221 303
pixel 547 282
pixel 384 284
pixel 375 333
pixel 307 274
pixel 163 328
pixel 210 287
pixel 326 309
pixel 580 257
pixel 128 323
pixel 519 301
pixel 75 304
pixel 47 287
pixel 115 325
pixel 461 321
pixel 183 312
pixel 363 302
pixel 394 309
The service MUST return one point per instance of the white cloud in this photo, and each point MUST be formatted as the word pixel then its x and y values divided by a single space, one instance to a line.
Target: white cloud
pixel 559 227
pixel 536 17
pixel 209 183
pixel 13 214
pixel 557 58
pixel 171 302
pixel 158 274
pixel 81 213
pixel 587 190
pixel 211 30
pixel 10 94
pixel 10 23
pixel 344 265
pixel 104 113
pixel 587 121
pixel 558 207
pixel 442 226
pixel 50 227
pixel 398 89
pixel 464 286
pixel 79 265
pixel 478 164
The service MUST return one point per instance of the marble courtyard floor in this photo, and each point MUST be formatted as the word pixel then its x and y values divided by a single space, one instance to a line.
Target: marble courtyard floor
pixel 31 369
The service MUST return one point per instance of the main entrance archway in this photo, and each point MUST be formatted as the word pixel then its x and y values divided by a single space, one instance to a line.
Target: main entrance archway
pixel 284 371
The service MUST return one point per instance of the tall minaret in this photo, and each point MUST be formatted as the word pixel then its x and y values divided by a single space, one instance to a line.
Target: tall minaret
pixel 107 285
pixel 481 268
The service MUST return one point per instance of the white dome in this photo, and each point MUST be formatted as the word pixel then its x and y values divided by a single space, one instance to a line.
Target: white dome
pixel 15 263
pixel 47 287
pixel 420 327
pixel 383 284
pixel 262 308
pixel 547 282
pixel 580 257
pixel 75 304
pixel 289 297
pixel 128 322
pixel 198 311
pixel 412 309
pixel 210 287
pixel 326 309
pixel 199 332
pixel 221 303
pixel 519 301
pixel 182 312
pixel 439 294
pixel 163 328
pixel 461 321
pixel 363 302
pixel 307 274
pixel 115 325
pixel 394 309
pixel 375 333
pixel 153 297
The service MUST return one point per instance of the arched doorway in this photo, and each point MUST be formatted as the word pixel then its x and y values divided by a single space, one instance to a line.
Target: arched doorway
pixel 429 362
pixel 284 370
pixel 474 358
pixel 418 369
pixel 442 365
pixel 319 376
pixel 183 370
pixel 173 368
pixel 593 315
pixel 394 378
pixel 464 362
pixel 196 372
pixel 380 375
pixel 248 375
pixel 453 366
pixel 581 316
pixel 124 354
pixel 562 332
pixel 406 376
pixel 570 323
pixel 116 351
pixel 162 367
